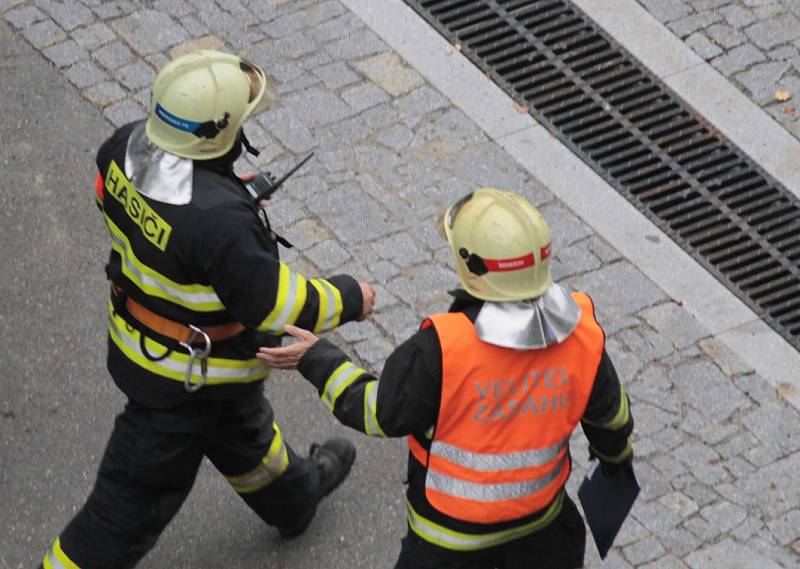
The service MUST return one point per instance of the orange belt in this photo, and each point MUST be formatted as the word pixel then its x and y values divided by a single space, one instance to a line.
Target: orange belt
pixel 176 331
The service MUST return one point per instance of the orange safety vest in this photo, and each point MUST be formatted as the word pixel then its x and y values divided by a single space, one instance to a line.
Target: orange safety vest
pixel 500 449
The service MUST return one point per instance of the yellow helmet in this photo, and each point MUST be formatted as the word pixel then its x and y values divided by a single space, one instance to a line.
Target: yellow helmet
pixel 200 101
pixel 501 245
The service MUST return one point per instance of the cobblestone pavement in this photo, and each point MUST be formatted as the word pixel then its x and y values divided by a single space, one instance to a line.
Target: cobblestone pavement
pixel 754 43
pixel 718 450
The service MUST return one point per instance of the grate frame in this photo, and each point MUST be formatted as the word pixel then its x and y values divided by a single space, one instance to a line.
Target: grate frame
pixel 643 139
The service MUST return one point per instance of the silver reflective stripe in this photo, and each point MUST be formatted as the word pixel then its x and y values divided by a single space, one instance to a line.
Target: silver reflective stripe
pixel 326 320
pixel 493 462
pixel 490 492
pixel 288 299
pixel 54 562
pixel 189 298
pixel 339 380
pixel 371 426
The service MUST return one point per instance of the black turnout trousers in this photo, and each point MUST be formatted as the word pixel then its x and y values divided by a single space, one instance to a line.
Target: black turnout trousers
pixel 149 467
pixel 559 545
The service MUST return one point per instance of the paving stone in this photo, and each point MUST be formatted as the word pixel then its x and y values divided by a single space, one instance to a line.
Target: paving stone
pixel 103 94
pixel 288 129
pixel 643 551
pixel 24 16
pixel 698 380
pixel 619 289
pixel 738 58
pixel 390 73
pixel 317 107
pixel 725 36
pixel 398 321
pixel 136 75
pixel 720 555
pixel 666 562
pixel 363 96
pixel 68 14
pixel 674 322
pixel 773 423
pixel 748 528
pixel 148 31
pixel 703 46
pixel 737 16
pixel 374 351
pixel 396 137
pixel 401 250
pixel 328 255
pixel 113 55
pixel 336 74
pixel 730 364
pixel 776 31
pixel 702 529
pixel 690 24
pixel 194 26
pixel 762 80
pixel 667 10
pixel 679 504
pixel 65 53
pixel 784 53
pixel 204 42
pixel 786 529
pixel 93 36
pixel 336 28
pixel 724 516
pixel 294 46
pixel 85 74
pixel 176 8
pixel 124 112
pixel 355 45
pixel 352 215
pixel 44 34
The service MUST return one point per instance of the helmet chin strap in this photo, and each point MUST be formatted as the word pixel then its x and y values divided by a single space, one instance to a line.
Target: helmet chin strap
pixel 247 146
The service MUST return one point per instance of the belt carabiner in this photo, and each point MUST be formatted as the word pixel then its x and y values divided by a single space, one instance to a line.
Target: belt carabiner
pixel 196 353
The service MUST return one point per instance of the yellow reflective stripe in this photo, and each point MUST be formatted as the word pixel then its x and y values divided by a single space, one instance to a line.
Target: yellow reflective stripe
pixel 620 418
pixel 449 539
pixel 616 459
pixel 341 378
pixel 274 463
pixel 220 370
pixel 371 426
pixel 197 297
pixel 330 305
pixel 57 559
pixel 289 301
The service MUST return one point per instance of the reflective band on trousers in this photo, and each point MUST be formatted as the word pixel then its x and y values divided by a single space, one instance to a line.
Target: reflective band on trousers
pixel 496 462
pixel 57 559
pixel 371 426
pixel 220 370
pixel 490 492
pixel 196 297
pixel 449 539
pixel 341 378
pixel 271 467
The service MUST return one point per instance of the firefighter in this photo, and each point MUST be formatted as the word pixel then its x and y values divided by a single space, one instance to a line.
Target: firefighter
pixel 488 395
pixel 197 286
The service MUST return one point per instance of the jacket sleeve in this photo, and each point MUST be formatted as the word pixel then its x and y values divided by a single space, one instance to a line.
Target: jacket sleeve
pixel 260 291
pixel 607 421
pixel 403 401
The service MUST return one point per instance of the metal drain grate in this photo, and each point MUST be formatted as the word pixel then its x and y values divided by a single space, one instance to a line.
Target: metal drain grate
pixel 658 152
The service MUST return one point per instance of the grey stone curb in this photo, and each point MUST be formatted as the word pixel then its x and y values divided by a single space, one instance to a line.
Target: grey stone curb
pixel 656 255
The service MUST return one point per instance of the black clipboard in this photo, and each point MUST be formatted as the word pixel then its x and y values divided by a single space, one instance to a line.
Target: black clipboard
pixel 606 503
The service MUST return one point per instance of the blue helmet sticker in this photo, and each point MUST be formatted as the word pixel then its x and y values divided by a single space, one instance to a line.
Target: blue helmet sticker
pixel 176 122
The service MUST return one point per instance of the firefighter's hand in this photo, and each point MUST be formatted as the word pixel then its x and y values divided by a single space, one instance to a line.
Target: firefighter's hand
pixel 368 292
pixel 287 357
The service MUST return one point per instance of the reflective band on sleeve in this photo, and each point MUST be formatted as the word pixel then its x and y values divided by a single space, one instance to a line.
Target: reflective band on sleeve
pixel 620 418
pixel 274 463
pixel 490 492
pixel 196 297
pixel 495 462
pixel 617 458
pixel 57 559
pixel 449 539
pixel 342 377
pixel 289 301
pixel 330 305
pixel 371 426
pixel 220 370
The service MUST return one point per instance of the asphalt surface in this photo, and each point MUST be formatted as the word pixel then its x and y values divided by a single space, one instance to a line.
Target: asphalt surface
pixel 57 403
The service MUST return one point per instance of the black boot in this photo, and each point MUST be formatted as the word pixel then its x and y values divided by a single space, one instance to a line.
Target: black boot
pixel 333 460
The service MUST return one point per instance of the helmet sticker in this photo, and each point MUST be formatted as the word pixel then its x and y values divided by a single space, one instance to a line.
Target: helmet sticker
pixel 208 129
